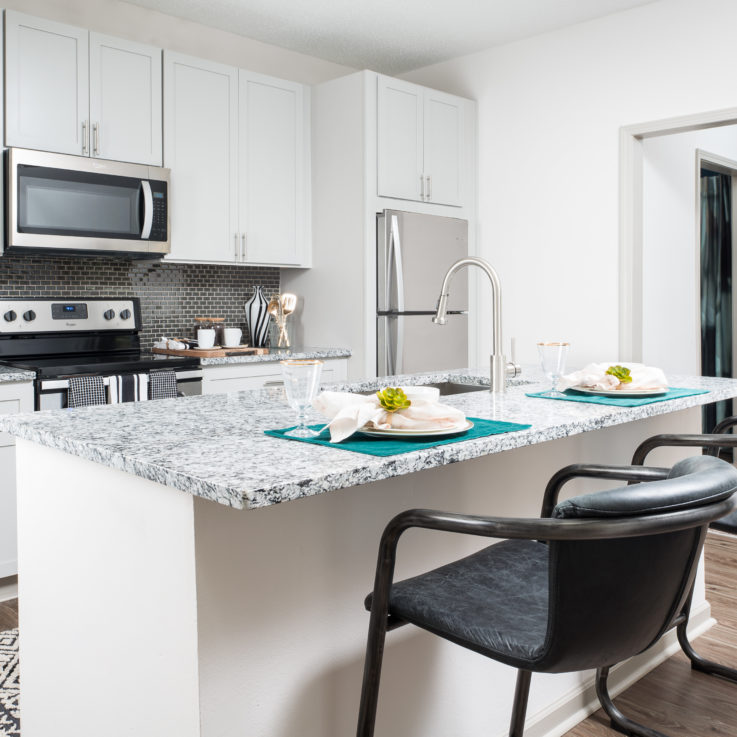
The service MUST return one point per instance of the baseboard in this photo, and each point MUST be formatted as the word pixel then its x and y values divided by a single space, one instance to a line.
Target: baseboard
pixel 8 588
pixel 573 707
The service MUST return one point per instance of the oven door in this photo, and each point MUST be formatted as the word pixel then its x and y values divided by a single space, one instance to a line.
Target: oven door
pixel 73 203
pixel 52 393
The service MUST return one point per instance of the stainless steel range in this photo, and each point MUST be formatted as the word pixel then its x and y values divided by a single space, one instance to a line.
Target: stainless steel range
pixel 63 338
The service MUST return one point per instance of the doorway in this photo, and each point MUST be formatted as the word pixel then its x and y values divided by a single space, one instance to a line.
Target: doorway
pixel 717 260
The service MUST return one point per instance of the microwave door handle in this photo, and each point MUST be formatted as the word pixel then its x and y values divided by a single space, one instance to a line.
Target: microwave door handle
pixel 148 209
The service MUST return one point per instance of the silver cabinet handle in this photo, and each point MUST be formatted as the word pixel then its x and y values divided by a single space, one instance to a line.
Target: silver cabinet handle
pixel 85 139
pixel 422 187
pixel 243 246
pixel 279 382
pixel 95 139
pixel 235 242
pixel 429 187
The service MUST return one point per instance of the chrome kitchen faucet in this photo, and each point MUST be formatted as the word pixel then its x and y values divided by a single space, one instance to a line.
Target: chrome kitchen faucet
pixel 500 368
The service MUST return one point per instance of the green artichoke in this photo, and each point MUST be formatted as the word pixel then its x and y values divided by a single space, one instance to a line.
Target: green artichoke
pixel 621 373
pixel 392 399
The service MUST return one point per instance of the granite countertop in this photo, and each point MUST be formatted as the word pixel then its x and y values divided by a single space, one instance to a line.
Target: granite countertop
pixel 9 375
pixel 213 446
pixel 279 354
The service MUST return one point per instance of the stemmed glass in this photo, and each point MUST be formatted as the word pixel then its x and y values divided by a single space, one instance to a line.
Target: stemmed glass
pixel 302 383
pixel 553 361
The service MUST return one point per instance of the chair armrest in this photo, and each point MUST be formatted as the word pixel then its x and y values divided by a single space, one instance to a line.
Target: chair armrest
pixel 585 470
pixel 724 425
pixel 708 442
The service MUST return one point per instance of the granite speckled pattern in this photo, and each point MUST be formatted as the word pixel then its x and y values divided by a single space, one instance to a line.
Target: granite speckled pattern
pixel 214 447
pixel 9 375
pixel 279 354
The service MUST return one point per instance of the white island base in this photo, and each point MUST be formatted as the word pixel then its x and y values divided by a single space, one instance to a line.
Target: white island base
pixel 147 611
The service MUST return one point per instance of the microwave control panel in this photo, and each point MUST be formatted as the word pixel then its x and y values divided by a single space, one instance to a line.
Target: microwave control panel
pixel 159 225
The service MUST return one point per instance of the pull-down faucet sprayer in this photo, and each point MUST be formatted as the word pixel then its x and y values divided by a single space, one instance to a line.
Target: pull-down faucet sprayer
pixel 500 369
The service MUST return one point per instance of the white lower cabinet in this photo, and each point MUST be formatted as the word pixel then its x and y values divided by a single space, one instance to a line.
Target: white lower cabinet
pixel 13 398
pixel 241 376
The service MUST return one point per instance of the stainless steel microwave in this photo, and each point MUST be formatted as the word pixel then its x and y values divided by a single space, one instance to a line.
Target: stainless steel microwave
pixel 65 204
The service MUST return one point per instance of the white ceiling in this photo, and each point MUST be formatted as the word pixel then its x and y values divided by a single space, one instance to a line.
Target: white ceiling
pixel 390 36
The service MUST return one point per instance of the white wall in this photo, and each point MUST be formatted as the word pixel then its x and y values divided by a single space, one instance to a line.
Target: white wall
pixel 550 110
pixel 147 26
pixel 671 326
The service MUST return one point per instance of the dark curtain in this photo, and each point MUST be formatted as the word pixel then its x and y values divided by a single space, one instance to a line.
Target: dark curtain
pixel 716 286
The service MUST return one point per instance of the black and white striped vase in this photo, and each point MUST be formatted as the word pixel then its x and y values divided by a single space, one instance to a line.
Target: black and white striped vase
pixel 257 317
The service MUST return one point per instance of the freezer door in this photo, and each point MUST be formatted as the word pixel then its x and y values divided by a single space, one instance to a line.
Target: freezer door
pixel 413 253
pixel 412 343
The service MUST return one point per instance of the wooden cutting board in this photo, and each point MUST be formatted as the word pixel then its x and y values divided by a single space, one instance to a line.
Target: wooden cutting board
pixel 242 350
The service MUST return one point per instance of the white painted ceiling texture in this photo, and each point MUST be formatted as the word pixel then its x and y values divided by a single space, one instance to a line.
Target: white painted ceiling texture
pixel 390 36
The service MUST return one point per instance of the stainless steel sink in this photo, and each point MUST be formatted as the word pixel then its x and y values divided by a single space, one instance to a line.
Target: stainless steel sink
pixel 451 387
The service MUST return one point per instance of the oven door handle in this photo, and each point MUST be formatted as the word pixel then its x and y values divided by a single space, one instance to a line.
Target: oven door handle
pixel 51 384
pixel 148 209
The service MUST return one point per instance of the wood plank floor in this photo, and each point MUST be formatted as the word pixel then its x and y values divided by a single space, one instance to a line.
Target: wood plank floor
pixel 8 614
pixel 673 698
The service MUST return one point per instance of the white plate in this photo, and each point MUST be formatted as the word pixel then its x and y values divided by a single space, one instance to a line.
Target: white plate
pixel 621 392
pixel 398 433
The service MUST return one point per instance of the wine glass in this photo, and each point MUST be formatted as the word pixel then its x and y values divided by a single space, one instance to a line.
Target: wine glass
pixel 553 361
pixel 302 382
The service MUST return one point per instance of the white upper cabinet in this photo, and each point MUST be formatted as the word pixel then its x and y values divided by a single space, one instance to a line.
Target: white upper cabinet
pixel 125 100
pixel 271 190
pixel 400 139
pixel 420 143
pixel 235 142
pixel 200 148
pixel 47 93
pixel 75 92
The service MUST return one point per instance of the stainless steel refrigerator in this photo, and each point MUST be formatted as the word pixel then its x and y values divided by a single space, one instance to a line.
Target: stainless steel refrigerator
pixel 413 253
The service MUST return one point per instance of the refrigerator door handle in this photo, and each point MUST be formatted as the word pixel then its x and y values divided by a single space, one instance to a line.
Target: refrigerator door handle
pixel 399 347
pixel 395 250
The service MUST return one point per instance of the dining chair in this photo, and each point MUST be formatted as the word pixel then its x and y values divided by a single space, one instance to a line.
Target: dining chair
pixel 711 443
pixel 566 592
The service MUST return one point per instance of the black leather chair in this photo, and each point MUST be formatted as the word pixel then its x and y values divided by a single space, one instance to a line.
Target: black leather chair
pixel 562 594
pixel 711 444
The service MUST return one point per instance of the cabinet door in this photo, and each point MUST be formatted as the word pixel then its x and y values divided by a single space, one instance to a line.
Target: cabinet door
pixel 125 100
pixel 271 184
pixel 13 398
pixel 400 139
pixel 47 82
pixel 443 148
pixel 200 148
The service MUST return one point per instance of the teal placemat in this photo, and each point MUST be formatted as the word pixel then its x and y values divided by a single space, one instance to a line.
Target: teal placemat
pixel 378 447
pixel 571 395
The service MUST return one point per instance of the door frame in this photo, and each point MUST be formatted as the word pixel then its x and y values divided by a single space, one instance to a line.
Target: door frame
pixel 631 215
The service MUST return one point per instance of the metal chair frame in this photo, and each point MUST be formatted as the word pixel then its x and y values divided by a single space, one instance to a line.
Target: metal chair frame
pixel 543 530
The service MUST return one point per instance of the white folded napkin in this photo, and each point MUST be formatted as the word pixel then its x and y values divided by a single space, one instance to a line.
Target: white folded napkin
pixel 350 412
pixel 594 376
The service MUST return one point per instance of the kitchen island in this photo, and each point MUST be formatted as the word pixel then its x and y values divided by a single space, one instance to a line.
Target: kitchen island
pixel 172 612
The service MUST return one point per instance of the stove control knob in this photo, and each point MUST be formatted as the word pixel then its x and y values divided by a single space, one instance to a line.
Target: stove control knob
pixel 109 314
pixel 125 315
pixel 9 316
pixel 29 316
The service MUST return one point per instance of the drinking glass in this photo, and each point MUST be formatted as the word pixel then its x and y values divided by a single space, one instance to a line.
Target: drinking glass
pixel 302 383
pixel 553 361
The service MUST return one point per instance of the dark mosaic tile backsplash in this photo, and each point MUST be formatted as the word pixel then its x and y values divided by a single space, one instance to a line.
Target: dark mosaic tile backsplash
pixel 171 295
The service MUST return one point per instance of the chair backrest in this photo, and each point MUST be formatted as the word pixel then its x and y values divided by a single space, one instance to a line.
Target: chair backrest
pixel 612 598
